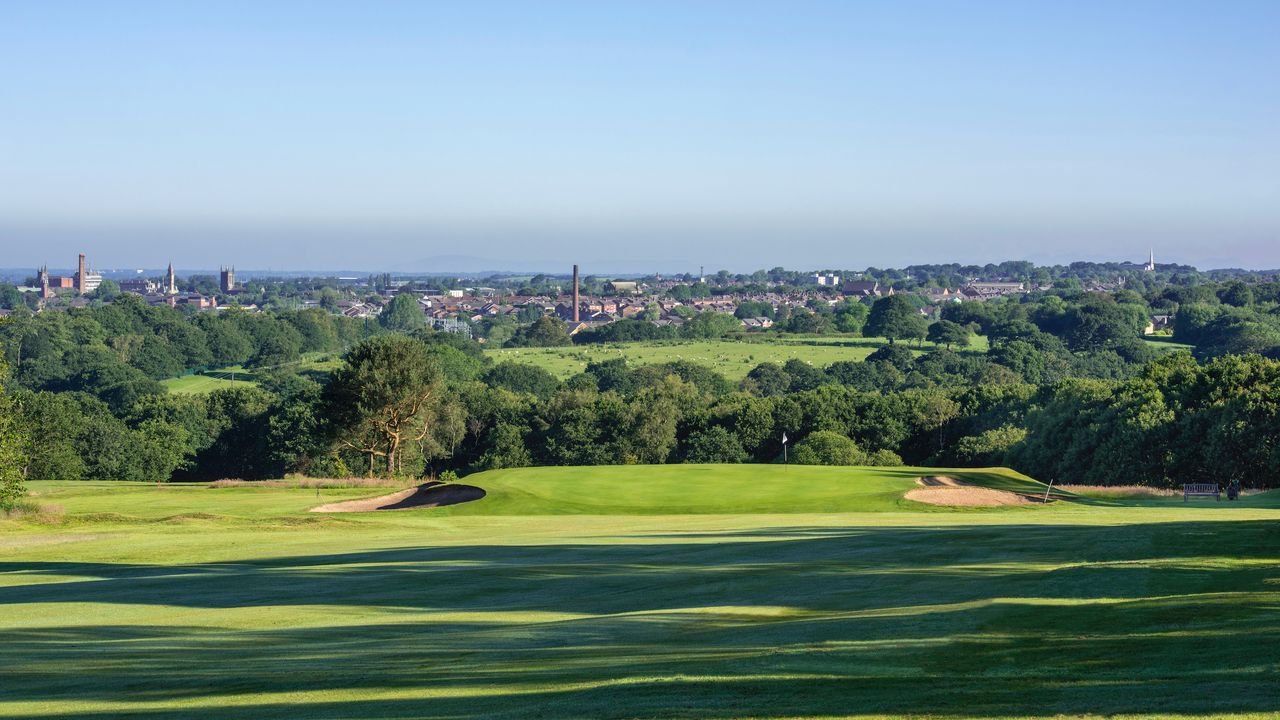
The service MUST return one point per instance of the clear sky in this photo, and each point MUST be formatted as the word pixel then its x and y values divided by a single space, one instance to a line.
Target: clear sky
pixel 638 136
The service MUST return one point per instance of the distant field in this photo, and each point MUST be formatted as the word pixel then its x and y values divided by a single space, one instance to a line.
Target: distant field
pixel 1166 342
pixel 239 376
pixel 731 358
pixel 200 384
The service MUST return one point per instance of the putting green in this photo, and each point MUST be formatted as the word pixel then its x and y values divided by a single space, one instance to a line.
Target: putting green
pixel 696 591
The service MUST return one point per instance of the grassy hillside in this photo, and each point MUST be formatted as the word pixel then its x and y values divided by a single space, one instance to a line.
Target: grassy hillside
pixel 200 384
pixel 835 598
pixel 604 490
pixel 238 375
pixel 709 489
pixel 733 359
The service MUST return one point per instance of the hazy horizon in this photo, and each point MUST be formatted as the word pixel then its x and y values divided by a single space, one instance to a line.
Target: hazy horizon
pixel 638 137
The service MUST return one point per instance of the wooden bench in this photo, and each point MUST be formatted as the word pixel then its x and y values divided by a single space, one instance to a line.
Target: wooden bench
pixel 1191 490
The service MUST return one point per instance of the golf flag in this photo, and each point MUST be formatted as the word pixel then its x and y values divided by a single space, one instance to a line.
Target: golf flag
pixel 784 437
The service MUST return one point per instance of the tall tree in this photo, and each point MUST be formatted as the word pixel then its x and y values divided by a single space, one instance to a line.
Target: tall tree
pixel 402 314
pixel 379 394
pixel 946 332
pixel 12 450
pixel 894 317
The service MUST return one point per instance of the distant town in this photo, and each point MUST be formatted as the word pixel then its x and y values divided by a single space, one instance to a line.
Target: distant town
pixel 585 302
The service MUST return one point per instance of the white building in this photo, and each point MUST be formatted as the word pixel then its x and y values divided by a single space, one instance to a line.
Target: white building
pixel 825 279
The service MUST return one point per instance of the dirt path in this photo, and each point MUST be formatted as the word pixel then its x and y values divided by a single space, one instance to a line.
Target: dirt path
pixel 427 495
pixel 942 490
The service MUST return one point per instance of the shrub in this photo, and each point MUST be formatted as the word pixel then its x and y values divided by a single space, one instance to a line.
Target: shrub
pixel 990 447
pixel 883 458
pixel 828 448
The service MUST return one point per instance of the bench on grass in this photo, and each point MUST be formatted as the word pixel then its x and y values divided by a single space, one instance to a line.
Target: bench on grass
pixel 1191 490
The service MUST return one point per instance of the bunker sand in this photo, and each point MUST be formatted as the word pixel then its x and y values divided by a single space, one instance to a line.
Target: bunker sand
pixel 943 490
pixel 427 495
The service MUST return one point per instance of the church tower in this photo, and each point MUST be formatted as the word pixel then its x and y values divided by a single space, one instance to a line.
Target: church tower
pixel 1151 263
pixel 170 282
pixel 227 279
pixel 42 278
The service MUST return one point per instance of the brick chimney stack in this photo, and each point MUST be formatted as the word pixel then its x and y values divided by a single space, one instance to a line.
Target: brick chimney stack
pixel 575 293
pixel 81 278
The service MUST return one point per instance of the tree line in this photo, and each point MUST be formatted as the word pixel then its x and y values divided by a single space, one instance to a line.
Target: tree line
pixel 1068 391
pixel 418 405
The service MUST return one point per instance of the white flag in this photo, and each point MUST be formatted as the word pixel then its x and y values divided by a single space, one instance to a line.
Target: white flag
pixel 784 437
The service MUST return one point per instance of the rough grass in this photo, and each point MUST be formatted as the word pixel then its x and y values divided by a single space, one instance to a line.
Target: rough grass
pixel 306 482
pixel 731 358
pixel 1134 491
pixel 236 604
pixel 32 511
pixel 1120 491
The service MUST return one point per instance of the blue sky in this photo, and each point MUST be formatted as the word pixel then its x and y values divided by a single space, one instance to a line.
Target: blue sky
pixel 638 136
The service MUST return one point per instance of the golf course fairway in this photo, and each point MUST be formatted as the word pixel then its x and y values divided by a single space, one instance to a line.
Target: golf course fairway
pixel 744 591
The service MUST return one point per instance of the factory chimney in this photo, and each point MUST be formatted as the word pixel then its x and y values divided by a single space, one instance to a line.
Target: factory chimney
pixel 80 276
pixel 575 293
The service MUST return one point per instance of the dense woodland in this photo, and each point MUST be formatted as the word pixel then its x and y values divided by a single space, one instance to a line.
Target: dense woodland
pixel 1069 391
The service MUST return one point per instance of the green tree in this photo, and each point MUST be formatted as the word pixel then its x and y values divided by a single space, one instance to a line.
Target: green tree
pixel 895 318
pixel 714 445
pixel 294 434
pixel 825 447
pixel 802 375
pixel 53 424
pixel 13 449
pixel 896 355
pixel 948 333
pixel 162 449
pixel 546 331
pixel 710 325
pixel 767 380
pixel 506 448
pixel 106 291
pixel 1237 294
pixel 851 316
pixel 10 297
pixel 1098 325
pixel 228 342
pixel 377 396
pixel 522 378
pixel 988 447
pixel 402 314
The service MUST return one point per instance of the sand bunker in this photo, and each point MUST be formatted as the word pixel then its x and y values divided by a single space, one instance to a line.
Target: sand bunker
pixel 427 495
pixel 942 490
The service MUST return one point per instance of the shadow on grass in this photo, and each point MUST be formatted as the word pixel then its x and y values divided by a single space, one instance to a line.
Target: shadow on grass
pixel 779 622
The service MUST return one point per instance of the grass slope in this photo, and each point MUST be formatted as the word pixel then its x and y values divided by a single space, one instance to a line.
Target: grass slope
pixel 711 489
pixel 240 376
pixel 201 384
pixel 733 359
pixel 190 602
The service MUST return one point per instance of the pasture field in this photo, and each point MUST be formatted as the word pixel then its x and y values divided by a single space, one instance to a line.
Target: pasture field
pixel 639 592
pixel 238 375
pixel 731 358
pixel 1166 342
